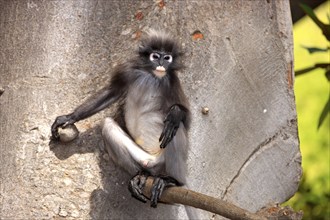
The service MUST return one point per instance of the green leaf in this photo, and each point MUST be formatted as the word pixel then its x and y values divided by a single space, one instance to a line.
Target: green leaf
pixel 316 49
pixel 324 113
pixel 324 27
pixel 309 11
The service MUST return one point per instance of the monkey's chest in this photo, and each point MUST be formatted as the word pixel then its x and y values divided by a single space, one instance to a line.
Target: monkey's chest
pixel 144 118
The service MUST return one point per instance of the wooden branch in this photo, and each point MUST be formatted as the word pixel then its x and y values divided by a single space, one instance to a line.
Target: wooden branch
pixel 188 197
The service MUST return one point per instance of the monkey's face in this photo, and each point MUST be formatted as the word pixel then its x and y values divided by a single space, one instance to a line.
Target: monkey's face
pixel 160 55
pixel 161 62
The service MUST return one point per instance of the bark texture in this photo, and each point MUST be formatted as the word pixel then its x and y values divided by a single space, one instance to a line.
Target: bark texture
pixel 239 64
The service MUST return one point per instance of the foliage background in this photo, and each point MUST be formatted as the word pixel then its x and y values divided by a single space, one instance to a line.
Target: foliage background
pixel 312 92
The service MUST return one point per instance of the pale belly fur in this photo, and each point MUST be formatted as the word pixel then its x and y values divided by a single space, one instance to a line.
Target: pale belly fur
pixel 143 117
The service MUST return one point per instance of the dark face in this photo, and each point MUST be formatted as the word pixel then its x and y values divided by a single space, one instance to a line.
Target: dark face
pixel 161 62
pixel 160 55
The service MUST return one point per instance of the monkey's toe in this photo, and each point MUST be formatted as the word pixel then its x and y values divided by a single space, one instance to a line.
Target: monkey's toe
pixel 136 185
pixel 157 190
pixel 158 186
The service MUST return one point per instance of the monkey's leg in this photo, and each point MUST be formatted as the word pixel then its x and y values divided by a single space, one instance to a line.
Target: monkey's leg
pixel 124 150
pixel 128 155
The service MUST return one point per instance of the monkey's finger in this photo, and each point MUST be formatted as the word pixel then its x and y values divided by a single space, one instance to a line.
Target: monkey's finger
pixel 168 138
pixel 175 129
pixel 172 134
pixel 54 131
pixel 164 139
pixel 166 128
pixel 154 196
pixel 164 143
pixel 55 135
pixel 160 190
pixel 60 121
pixel 142 182
pixel 157 190
pixel 163 134
pixel 139 196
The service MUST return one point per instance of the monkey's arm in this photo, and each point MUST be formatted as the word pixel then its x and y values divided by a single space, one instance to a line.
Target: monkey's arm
pixel 177 114
pixel 96 103
pixel 93 105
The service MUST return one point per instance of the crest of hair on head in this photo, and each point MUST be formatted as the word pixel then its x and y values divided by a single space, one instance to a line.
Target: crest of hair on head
pixel 159 41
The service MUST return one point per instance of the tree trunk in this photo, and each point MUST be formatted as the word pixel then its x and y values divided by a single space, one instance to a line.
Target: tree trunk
pixel 239 64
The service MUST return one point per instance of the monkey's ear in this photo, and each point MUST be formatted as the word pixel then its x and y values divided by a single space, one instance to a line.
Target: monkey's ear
pixel 141 48
pixel 144 50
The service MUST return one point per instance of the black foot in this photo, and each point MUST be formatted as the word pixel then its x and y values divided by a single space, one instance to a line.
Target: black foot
pixel 158 186
pixel 136 185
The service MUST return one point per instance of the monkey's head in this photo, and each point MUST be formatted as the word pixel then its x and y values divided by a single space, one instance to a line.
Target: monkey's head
pixel 160 53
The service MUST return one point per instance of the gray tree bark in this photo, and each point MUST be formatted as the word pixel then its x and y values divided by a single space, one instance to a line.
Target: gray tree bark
pixel 55 54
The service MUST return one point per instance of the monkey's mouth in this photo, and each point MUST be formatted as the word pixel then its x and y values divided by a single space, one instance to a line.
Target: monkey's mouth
pixel 160 71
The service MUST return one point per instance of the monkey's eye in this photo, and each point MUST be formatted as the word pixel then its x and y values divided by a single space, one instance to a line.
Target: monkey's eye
pixel 168 58
pixel 154 56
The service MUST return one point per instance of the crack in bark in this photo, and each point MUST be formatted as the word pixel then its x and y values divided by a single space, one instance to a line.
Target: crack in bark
pixel 280 132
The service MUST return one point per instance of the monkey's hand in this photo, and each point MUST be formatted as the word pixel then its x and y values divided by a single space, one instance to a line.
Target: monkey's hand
pixel 171 124
pixel 60 121
pixel 169 131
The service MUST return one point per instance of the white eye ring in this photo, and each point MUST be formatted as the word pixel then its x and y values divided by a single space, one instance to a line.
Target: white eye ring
pixel 154 56
pixel 168 58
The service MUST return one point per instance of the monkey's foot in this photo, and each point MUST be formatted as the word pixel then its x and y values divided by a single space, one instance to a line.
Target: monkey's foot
pixel 158 186
pixel 136 185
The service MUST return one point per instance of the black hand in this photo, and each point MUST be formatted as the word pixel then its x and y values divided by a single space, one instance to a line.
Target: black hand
pixel 169 131
pixel 171 124
pixel 60 121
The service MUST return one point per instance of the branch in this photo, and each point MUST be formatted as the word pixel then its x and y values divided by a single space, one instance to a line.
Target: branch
pixel 188 197
pixel 324 27
pixel 318 65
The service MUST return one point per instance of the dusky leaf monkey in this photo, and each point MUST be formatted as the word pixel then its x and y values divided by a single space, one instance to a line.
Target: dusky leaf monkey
pixel 149 134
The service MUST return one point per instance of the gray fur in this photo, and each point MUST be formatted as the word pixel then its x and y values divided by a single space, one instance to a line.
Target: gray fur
pixel 116 150
pixel 143 115
pixel 144 118
pixel 152 106
pixel 176 154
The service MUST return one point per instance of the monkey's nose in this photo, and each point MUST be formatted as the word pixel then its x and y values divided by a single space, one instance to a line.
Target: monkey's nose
pixel 161 62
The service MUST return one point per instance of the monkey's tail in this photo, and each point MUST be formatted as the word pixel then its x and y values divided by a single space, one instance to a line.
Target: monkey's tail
pixel 192 212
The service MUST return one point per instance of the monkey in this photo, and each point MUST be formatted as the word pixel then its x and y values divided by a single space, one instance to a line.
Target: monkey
pixel 149 135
